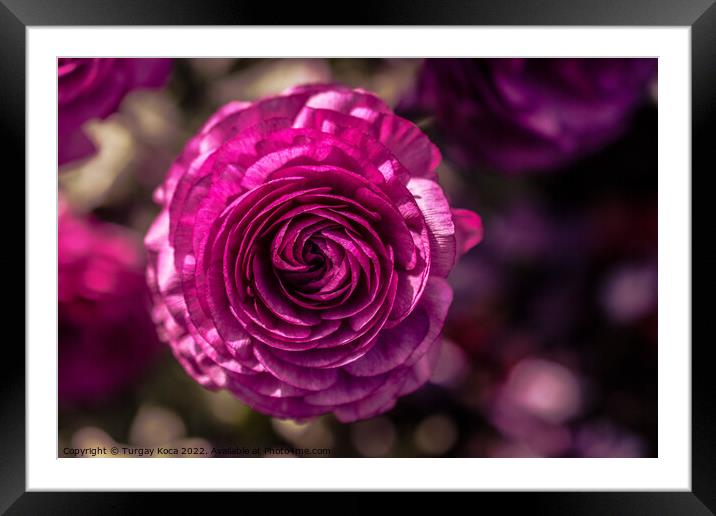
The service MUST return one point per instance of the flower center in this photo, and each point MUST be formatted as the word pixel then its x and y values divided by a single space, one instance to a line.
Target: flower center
pixel 313 256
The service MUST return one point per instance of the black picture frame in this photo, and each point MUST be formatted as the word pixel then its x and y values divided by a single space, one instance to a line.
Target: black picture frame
pixel 17 15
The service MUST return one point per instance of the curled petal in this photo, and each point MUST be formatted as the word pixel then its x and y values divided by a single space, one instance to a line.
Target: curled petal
pixel 439 218
pixel 313 379
pixel 468 229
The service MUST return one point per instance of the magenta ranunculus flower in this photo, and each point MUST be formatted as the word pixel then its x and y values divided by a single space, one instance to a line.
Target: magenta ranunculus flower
pixel 106 334
pixel 300 257
pixel 94 88
pixel 523 115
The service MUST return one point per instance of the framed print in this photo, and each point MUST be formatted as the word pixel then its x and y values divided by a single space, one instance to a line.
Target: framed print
pixel 447 247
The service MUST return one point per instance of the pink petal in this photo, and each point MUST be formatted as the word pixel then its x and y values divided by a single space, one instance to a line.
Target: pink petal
pixel 468 229
pixel 435 208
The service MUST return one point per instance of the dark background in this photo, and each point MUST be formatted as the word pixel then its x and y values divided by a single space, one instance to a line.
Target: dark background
pixel 550 345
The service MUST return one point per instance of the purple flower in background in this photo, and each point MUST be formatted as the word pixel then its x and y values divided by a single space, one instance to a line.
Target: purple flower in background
pixel 106 335
pixel 300 256
pixel 523 115
pixel 94 88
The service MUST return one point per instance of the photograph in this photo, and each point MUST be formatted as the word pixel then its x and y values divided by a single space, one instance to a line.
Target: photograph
pixel 398 257
pixel 429 247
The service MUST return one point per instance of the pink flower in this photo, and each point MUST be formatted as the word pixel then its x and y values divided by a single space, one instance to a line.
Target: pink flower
pixel 526 115
pixel 94 88
pixel 300 256
pixel 106 335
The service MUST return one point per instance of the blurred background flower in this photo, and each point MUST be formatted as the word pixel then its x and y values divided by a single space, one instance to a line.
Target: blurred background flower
pixel 523 115
pixel 550 347
pixel 93 89
pixel 106 337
